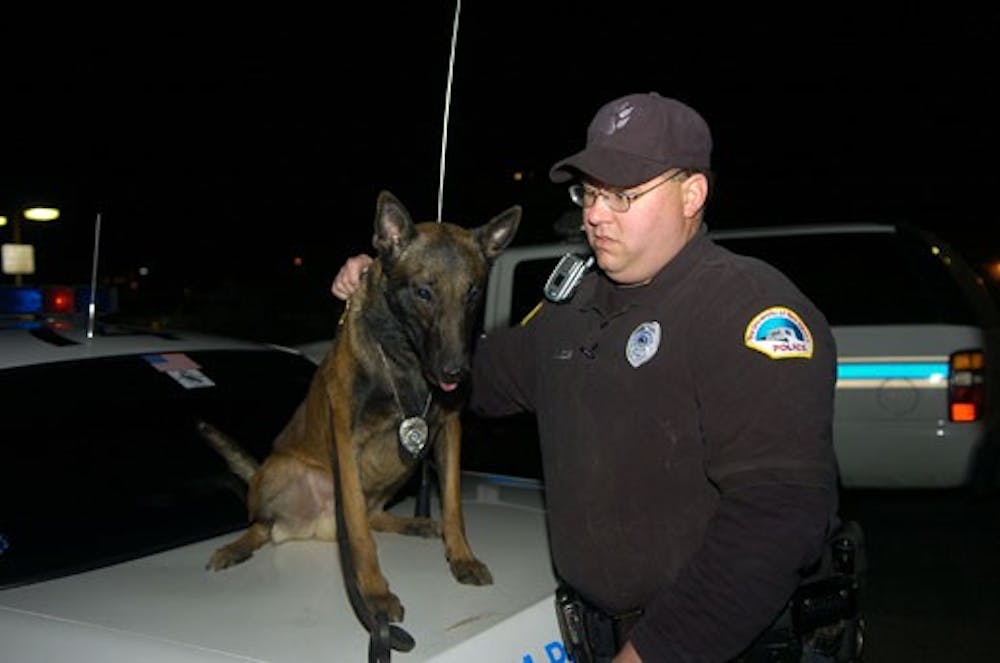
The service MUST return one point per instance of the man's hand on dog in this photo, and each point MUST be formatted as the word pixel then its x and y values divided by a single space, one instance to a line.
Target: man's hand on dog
pixel 349 276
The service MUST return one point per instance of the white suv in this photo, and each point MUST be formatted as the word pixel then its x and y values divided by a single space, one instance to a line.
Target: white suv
pixel 916 332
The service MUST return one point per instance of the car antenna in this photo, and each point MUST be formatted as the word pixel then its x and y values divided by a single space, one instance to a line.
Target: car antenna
pixel 92 307
pixel 422 506
pixel 447 108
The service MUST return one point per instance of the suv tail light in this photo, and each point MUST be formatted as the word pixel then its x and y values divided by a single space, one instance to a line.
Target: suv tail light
pixel 966 386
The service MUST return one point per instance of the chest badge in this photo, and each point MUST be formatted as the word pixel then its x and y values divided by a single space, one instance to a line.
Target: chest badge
pixel 643 344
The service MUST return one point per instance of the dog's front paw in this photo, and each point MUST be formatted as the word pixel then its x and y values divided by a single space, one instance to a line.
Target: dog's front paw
pixel 387 604
pixel 471 572
pixel 227 556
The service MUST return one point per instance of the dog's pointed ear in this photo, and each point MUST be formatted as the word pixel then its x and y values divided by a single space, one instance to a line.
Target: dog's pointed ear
pixel 393 226
pixel 495 235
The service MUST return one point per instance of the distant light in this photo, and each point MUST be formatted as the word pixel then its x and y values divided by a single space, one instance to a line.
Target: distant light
pixel 18 259
pixel 297 261
pixel 935 250
pixel 41 213
pixel 993 269
pixel 3 220
pixel 144 271
pixel 518 175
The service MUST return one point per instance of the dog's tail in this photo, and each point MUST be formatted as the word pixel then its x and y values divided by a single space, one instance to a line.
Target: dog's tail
pixel 240 462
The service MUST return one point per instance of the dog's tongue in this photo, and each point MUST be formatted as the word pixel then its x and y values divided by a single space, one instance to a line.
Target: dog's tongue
pixel 448 386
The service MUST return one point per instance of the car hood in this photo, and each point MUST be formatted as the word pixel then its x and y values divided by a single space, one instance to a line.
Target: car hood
pixel 288 602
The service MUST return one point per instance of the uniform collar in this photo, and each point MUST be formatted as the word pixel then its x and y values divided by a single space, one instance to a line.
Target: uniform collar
pixel 609 299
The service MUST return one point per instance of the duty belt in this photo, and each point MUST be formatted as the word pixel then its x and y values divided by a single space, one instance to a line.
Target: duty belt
pixel 589 633
pixel 822 621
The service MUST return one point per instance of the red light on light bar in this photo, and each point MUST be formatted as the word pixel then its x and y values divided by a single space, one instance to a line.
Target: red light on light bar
pixel 59 300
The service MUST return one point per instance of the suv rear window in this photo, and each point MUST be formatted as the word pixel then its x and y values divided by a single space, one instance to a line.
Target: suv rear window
pixel 865 278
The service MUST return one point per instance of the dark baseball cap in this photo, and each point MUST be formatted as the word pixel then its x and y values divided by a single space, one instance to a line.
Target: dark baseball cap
pixel 635 138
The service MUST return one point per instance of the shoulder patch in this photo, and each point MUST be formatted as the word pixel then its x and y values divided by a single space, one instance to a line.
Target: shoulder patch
pixel 779 333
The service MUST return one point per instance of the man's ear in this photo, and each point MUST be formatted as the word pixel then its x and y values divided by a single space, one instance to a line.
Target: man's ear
pixel 694 192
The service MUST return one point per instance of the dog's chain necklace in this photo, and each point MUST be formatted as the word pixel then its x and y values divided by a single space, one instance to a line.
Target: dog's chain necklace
pixel 412 431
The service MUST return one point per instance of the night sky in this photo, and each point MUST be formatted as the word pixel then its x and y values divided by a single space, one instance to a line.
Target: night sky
pixel 218 148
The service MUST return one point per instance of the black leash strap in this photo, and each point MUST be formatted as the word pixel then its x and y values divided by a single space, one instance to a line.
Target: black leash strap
pixel 384 636
pixel 422 506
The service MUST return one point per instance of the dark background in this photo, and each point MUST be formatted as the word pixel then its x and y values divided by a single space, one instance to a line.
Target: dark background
pixel 219 147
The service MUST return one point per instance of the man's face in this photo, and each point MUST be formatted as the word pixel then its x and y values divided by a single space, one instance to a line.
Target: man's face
pixel 632 246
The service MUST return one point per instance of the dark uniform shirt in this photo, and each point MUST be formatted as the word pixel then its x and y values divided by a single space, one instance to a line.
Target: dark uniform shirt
pixel 685 430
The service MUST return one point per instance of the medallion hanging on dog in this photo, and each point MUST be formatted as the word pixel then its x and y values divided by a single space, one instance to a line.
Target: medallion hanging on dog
pixel 413 435
pixel 412 431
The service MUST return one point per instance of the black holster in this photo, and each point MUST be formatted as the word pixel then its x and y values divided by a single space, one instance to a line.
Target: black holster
pixel 590 634
pixel 823 619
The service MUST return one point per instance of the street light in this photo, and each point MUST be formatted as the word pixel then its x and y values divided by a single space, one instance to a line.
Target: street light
pixel 18 258
pixel 41 213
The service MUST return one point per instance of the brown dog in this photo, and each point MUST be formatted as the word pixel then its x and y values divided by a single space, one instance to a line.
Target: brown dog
pixel 400 354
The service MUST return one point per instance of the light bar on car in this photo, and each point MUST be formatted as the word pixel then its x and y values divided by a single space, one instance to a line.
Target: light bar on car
pixel 56 300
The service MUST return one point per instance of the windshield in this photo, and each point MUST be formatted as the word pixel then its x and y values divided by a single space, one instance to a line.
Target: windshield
pixel 103 463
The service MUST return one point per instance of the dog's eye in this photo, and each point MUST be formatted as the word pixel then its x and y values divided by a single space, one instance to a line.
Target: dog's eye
pixel 473 294
pixel 424 293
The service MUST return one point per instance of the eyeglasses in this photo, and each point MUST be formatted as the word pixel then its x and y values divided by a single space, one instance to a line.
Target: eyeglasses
pixel 586 195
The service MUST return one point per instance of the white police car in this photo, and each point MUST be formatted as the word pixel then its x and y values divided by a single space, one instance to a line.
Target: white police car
pixel 917 338
pixel 113 505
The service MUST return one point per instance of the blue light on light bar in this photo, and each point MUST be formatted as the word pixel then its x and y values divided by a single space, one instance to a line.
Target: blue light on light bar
pixel 889 371
pixel 20 300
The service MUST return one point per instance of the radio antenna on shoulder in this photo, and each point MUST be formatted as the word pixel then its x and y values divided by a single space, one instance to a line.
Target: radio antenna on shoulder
pixel 447 108
pixel 92 307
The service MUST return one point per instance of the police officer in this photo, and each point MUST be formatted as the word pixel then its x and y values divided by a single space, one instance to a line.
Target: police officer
pixel 684 397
